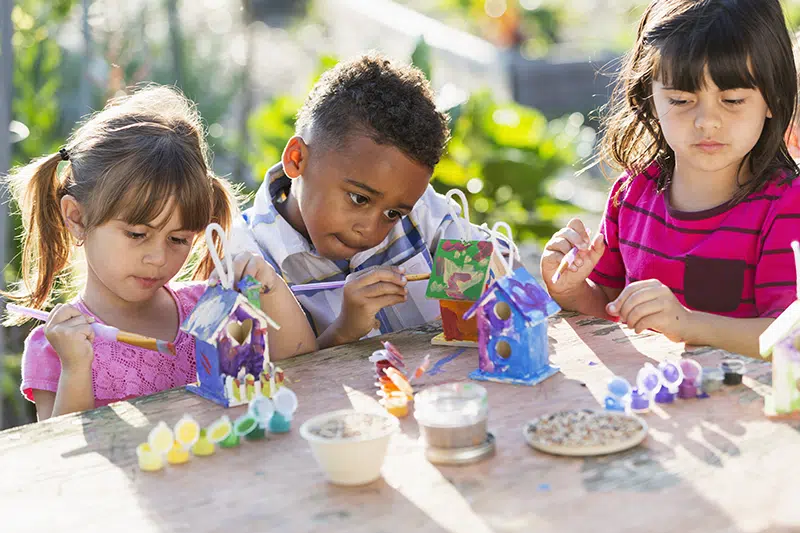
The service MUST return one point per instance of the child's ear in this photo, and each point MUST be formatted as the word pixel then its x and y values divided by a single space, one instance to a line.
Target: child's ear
pixel 295 157
pixel 72 213
pixel 769 113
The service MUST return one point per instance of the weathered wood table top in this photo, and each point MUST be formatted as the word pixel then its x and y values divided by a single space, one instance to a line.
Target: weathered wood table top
pixel 708 465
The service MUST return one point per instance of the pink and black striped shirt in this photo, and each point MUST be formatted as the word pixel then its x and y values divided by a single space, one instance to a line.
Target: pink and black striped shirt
pixel 732 260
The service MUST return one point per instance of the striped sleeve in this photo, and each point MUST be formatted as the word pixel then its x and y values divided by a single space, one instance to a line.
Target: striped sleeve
pixel 610 270
pixel 775 284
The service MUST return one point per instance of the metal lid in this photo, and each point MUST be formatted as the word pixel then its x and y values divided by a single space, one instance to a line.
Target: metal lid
pixel 461 456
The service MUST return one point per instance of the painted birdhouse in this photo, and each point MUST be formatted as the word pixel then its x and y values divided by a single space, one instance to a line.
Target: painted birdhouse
pixel 231 347
pixel 781 340
pixel 512 330
pixel 785 399
pixel 459 277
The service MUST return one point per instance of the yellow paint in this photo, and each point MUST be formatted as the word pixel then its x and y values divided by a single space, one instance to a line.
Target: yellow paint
pixel 220 429
pixel 203 447
pixel 149 461
pixel 178 454
pixel 187 431
pixel 160 438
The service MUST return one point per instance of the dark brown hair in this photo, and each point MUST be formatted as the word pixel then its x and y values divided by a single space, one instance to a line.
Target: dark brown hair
pixel 127 161
pixel 389 103
pixel 742 43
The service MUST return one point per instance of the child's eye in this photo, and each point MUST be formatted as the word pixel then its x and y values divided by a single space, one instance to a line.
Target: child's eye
pixel 391 214
pixel 358 199
pixel 177 240
pixel 135 235
pixel 734 101
pixel 677 102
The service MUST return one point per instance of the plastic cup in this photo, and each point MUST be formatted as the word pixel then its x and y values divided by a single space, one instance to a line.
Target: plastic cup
pixel 348 445
pixel 149 461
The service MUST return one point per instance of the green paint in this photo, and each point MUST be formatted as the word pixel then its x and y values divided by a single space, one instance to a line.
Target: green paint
pixel 460 270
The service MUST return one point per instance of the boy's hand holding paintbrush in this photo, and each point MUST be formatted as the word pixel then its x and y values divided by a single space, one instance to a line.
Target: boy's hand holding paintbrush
pixel 569 257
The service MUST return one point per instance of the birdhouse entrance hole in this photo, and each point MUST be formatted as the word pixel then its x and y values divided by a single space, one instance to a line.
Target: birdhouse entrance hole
pixel 503 349
pixel 502 310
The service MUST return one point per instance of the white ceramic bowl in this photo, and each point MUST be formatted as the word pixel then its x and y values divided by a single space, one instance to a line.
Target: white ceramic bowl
pixel 355 460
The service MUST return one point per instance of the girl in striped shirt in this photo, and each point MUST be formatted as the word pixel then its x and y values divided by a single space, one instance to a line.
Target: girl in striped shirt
pixel 695 240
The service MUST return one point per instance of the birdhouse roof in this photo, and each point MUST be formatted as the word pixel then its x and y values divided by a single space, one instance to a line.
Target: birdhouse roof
pixel 523 293
pixel 216 309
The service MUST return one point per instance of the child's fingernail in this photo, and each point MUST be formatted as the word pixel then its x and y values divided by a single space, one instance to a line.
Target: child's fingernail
pixel 612 308
pixel 579 262
pixel 401 269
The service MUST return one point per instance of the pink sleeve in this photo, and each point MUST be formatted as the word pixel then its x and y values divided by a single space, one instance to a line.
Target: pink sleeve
pixel 610 270
pixel 775 285
pixel 41 366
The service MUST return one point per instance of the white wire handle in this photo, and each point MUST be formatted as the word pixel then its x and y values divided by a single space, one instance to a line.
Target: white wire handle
pixel 225 273
pixel 465 224
pixel 513 251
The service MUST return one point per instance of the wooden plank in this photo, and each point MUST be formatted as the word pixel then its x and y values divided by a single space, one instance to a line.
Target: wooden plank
pixel 715 463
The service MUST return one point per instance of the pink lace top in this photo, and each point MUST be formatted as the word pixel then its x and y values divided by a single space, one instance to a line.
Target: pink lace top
pixel 119 371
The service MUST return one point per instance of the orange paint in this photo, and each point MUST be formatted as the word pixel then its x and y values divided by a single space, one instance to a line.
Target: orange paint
pixel 455 327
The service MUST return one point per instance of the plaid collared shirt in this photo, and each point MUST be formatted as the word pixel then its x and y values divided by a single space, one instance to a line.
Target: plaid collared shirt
pixel 410 244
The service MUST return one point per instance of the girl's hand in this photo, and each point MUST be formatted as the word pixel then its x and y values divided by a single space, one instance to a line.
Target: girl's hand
pixel 70 334
pixel 649 304
pixel 574 235
pixel 247 263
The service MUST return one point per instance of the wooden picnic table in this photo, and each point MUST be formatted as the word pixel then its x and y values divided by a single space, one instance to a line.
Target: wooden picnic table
pixel 708 465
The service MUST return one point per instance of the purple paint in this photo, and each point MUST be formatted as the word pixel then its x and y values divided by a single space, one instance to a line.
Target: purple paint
pixel 640 401
pixel 664 395
pixel 687 390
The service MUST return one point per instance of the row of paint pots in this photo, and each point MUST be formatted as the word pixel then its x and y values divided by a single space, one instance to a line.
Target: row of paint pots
pixel 174 445
pixel 685 379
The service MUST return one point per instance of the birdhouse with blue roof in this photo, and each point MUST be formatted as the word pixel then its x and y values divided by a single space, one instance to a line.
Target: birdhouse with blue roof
pixel 231 333
pixel 512 330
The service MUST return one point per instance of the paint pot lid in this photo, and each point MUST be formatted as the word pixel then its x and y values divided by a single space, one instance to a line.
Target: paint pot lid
pixel 732 366
pixel 692 371
pixel 619 387
pixel 462 456
pixel 672 375
pixel 649 379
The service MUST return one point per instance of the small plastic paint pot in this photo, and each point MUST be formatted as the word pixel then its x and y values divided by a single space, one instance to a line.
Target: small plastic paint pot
pixel 454 415
pixel 149 461
pixel 640 401
pixel 279 423
pixel 664 395
pixel 687 390
pixel 256 434
pixel 733 370
pixel 203 447
pixel 245 424
pixel 712 379
pixel 231 441
pixel 178 455
pixel 397 404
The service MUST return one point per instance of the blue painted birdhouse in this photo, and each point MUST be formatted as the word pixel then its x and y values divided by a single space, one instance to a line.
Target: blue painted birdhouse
pixel 231 348
pixel 512 330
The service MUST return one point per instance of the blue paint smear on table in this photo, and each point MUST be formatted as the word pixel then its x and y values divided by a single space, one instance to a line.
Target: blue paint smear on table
pixel 437 368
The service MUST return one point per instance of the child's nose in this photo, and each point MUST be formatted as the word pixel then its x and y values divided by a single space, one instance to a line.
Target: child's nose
pixel 156 255
pixel 707 117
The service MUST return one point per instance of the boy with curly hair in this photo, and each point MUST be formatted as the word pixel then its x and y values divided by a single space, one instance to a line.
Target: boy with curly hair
pixel 351 199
